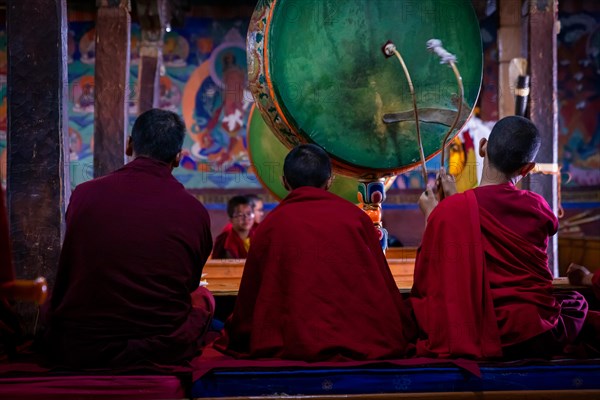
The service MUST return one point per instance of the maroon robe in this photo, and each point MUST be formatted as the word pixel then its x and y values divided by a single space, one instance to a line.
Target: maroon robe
pixel 596 283
pixel 482 283
pixel 127 285
pixel 229 245
pixel 316 286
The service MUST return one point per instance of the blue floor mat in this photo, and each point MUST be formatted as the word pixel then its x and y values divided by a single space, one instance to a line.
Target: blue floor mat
pixel 563 375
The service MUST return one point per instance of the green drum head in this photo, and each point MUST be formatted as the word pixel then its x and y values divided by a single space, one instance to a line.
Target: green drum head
pixel 267 154
pixel 330 82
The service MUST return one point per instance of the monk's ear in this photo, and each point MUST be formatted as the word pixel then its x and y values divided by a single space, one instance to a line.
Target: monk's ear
pixel 285 184
pixel 129 147
pixel 329 182
pixel 483 147
pixel 176 160
pixel 525 169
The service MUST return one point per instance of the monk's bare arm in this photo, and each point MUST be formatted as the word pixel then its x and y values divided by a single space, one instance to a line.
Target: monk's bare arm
pixel 427 202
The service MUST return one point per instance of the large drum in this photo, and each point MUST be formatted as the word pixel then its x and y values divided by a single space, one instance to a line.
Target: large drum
pixel 267 155
pixel 318 75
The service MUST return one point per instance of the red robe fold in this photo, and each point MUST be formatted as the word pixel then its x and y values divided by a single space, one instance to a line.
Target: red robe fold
pixel 126 289
pixel 229 245
pixel 316 286
pixel 479 286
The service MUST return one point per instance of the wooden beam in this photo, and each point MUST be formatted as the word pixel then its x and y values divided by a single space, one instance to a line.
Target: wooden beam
pixel 543 29
pixel 38 150
pixel 153 17
pixel 111 119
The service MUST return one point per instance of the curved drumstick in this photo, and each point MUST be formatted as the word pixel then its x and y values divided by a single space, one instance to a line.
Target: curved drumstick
pixel 435 46
pixel 389 49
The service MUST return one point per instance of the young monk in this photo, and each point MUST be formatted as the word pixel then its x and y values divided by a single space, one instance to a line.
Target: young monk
pixel 234 241
pixel 258 207
pixel 482 287
pixel 316 285
pixel 126 289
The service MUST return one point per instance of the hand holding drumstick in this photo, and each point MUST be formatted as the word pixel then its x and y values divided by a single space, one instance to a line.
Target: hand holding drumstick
pixel 445 184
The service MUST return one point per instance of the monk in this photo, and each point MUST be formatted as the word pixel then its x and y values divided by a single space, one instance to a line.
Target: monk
pixel 316 285
pixel 482 286
pixel 234 241
pixel 258 208
pixel 127 286
pixel 580 275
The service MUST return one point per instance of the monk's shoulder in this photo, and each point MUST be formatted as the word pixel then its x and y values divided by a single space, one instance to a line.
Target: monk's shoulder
pixel 191 202
pixel 535 198
pixel 451 202
pixel 448 208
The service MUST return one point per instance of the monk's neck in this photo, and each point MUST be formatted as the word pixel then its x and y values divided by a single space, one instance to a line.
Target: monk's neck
pixel 243 234
pixel 491 176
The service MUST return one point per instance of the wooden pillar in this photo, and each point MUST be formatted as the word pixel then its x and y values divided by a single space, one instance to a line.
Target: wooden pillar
pixel 111 117
pixel 509 47
pixel 543 29
pixel 38 150
pixel 152 15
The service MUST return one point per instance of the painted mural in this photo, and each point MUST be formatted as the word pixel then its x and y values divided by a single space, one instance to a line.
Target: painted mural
pixel 579 94
pixel 204 80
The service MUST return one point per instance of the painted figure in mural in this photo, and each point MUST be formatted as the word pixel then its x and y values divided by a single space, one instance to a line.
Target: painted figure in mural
pixel 85 101
pixel 221 139
pixel 170 96
pixel 127 286
pixel 578 82
pixel 175 50
pixel 496 266
pixel 75 144
pixel 316 285
pixel 87 47
pixel 234 241
pixel 234 80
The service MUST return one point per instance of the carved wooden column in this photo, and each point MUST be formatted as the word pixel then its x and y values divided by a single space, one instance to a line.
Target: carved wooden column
pixel 38 150
pixel 543 104
pixel 113 26
pixel 152 15
pixel 509 47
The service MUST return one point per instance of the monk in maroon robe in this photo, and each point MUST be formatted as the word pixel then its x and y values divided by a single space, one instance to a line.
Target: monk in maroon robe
pixel 482 287
pixel 127 287
pixel 234 241
pixel 316 284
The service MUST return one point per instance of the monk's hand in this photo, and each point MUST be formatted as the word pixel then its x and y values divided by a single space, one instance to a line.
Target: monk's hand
pixel 579 275
pixel 445 184
pixel 203 281
pixel 427 202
